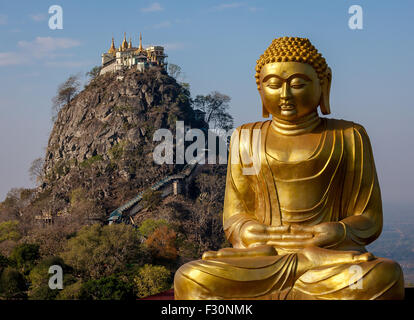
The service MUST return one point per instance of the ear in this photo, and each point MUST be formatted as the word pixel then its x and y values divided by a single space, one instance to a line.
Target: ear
pixel 326 88
pixel 265 113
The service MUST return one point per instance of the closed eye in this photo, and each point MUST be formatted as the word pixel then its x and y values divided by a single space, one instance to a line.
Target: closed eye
pixel 297 86
pixel 274 85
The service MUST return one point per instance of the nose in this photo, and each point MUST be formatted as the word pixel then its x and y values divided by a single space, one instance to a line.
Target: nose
pixel 286 94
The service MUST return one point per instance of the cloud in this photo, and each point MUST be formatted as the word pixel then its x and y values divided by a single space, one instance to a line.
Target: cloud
pixel 40 48
pixel 232 5
pixel 164 24
pixel 153 8
pixel 3 19
pixel 12 58
pixel 37 17
pixel 46 46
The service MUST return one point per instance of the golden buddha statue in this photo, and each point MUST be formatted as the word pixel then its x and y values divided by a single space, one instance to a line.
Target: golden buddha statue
pixel 298 225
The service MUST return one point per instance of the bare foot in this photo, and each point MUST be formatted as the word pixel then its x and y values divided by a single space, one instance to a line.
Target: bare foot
pixel 323 257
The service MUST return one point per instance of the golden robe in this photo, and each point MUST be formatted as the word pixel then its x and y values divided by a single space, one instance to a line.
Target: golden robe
pixel 336 182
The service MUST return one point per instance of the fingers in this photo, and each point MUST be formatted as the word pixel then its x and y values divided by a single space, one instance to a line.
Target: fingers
pixel 301 229
pixel 278 229
pixel 292 243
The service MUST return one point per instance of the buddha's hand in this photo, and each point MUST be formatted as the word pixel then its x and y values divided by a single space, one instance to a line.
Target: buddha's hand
pixel 257 234
pixel 240 252
pixel 324 235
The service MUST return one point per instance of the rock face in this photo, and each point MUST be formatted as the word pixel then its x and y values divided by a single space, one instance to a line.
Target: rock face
pixel 102 141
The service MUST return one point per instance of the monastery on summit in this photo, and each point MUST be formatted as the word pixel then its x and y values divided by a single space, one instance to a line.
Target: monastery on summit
pixel 127 56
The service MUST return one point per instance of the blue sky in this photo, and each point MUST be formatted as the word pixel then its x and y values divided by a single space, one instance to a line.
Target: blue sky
pixel 216 43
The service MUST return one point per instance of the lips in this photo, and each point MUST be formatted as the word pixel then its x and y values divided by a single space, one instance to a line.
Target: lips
pixel 286 107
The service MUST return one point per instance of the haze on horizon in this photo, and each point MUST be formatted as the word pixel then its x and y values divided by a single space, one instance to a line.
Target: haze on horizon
pixel 216 43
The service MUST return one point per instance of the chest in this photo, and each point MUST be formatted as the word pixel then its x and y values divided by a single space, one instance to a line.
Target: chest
pixel 293 148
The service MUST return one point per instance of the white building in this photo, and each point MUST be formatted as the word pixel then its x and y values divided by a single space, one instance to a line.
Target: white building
pixel 127 56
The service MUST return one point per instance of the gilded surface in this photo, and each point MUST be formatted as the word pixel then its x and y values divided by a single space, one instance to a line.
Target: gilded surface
pixel 298 225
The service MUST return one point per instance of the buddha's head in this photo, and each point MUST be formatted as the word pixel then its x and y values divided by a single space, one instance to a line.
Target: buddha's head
pixel 293 79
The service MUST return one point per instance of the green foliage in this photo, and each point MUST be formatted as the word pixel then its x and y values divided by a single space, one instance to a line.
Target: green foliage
pixel 92 160
pixel 151 199
pixel 39 276
pixel 107 288
pixel 4 263
pixel 98 251
pixel 71 292
pixel 152 279
pixel 76 196
pixel 60 169
pixel 25 256
pixel 148 226
pixel 9 230
pixel 43 292
pixel 12 284
pixel 117 151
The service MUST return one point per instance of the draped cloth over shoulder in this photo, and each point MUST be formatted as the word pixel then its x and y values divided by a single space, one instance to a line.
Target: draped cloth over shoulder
pixel 336 183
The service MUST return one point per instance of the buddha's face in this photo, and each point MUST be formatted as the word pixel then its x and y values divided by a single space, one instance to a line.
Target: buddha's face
pixel 289 90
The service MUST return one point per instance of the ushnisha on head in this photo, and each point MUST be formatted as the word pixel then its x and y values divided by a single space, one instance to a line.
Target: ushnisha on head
pixel 293 79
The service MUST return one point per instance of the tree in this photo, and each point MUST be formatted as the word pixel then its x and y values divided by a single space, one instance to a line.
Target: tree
pixel 25 256
pixel 98 251
pixel 39 279
pixel 107 288
pixel 71 292
pixel 215 105
pixel 174 70
pixel 148 226
pixel 151 280
pixel 36 170
pixel 9 230
pixel 65 93
pixel 93 73
pixel 12 284
pixel 4 263
pixel 161 243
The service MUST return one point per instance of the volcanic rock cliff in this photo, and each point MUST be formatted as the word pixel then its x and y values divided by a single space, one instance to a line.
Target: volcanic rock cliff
pixel 101 144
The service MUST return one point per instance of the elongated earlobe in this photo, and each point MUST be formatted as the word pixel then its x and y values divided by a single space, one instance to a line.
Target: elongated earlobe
pixel 326 88
pixel 265 113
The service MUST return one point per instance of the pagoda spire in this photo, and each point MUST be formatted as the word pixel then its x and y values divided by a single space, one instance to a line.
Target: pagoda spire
pixel 124 43
pixel 112 49
pixel 130 43
pixel 140 48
